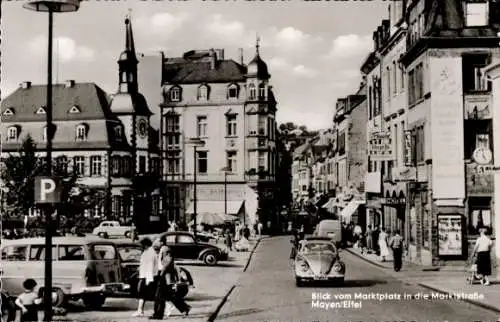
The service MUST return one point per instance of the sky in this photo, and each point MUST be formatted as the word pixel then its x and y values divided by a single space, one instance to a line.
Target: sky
pixel 314 50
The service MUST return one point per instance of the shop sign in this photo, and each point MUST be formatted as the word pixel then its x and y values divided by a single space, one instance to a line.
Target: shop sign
pixel 402 174
pixel 408 151
pixel 450 235
pixel 477 108
pixel 380 146
pixel 216 192
pixel 393 201
pixel 479 179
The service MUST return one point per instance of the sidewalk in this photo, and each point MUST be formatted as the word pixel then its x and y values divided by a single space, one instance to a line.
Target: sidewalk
pixel 450 281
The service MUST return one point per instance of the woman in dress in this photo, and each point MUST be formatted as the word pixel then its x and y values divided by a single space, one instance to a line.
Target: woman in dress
pixel 482 251
pixel 382 244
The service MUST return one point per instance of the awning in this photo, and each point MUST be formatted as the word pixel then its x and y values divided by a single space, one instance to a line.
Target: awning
pixel 351 207
pixel 218 207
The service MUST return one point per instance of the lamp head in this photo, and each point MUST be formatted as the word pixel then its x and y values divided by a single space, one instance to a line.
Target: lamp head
pixel 52 5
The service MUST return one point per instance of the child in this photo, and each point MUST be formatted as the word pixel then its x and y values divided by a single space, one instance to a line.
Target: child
pixel 28 301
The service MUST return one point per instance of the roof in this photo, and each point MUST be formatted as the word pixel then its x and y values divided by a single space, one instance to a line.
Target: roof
pixel 91 101
pixel 262 70
pixel 300 150
pixel 66 240
pixel 185 71
pixel 130 103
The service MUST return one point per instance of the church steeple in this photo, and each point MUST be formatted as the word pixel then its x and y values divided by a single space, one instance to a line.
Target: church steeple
pixel 128 62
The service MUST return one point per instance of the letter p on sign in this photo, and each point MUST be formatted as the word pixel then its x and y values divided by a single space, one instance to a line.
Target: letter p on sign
pixel 47 190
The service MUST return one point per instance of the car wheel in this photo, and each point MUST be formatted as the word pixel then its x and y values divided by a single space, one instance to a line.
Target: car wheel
pixel 298 282
pixel 93 302
pixel 103 235
pixel 210 259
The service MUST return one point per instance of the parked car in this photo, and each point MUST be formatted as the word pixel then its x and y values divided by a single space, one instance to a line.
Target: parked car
pixel 130 255
pixel 83 268
pixel 112 228
pixel 184 246
pixel 318 260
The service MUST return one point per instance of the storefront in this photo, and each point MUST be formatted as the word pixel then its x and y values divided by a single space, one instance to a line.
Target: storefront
pixel 394 208
pixel 373 206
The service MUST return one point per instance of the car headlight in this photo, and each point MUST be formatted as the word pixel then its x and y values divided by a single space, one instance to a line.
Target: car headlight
pixel 337 267
pixel 302 264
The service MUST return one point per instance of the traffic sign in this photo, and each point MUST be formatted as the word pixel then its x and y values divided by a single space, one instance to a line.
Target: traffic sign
pixel 47 190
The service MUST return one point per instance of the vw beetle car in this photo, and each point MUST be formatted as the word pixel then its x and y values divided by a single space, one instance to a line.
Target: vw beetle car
pixel 318 260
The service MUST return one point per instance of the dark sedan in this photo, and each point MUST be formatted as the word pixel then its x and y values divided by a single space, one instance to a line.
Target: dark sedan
pixel 184 246
pixel 130 255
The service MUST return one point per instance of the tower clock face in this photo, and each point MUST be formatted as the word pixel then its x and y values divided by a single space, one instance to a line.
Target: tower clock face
pixel 142 127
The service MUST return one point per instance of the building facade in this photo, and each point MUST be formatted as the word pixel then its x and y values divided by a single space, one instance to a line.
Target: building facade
pixel 104 139
pixel 231 107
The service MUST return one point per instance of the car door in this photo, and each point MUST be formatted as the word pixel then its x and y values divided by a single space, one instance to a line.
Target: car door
pixel 14 268
pixel 186 247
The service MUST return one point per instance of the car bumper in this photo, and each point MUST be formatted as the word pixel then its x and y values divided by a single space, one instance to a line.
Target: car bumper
pixel 107 288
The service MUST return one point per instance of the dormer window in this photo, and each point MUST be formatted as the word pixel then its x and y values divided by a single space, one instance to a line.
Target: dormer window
pixel 175 94
pixel 232 91
pixel 74 109
pixel 41 110
pixel 118 133
pixel 12 133
pixel 203 92
pixel 252 92
pixel 81 132
pixel 9 112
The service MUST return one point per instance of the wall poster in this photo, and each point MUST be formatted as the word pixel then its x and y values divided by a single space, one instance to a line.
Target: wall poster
pixel 450 235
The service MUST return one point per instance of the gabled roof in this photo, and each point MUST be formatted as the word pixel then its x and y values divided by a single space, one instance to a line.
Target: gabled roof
pixel 301 149
pixel 92 101
pixel 185 71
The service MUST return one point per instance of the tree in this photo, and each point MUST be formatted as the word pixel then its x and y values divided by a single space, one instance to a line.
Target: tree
pixel 18 177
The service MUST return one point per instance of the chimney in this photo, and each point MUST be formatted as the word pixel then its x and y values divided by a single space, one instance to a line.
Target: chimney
pixel 69 83
pixel 240 50
pixel 25 85
pixel 213 58
pixel 220 54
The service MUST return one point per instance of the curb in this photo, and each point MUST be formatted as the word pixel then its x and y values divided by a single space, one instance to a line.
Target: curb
pixel 251 253
pixel 473 302
pixel 214 314
pixel 365 259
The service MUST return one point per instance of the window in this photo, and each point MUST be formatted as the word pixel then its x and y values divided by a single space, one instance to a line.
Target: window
pixel 201 126
pixel 71 253
pixel 202 161
pixel 232 161
pixel 419 144
pixel 262 159
pixel 173 140
pixel 231 125
pixel 232 91
pixel 395 77
pixel 402 76
pixel 12 133
pixel 102 252
pixel 115 165
pixel 79 165
pixel 126 166
pixel 185 239
pixel 129 253
pixel 118 133
pixel 262 92
pixel 155 165
pixel 396 143
pixel 81 132
pixel 341 143
pixel 203 92
pixel 262 124
pixel 388 82
pixel 480 215
pixel 472 77
pixel 415 84
pixel 142 164
pixel 252 92
pixel 62 164
pixel 14 253
pixel 173 162
pixel 173 123
pixel 175 94
pixel 37 253
pixel 95 165
pixel 170 239
pixel 476 13
pixel 370 103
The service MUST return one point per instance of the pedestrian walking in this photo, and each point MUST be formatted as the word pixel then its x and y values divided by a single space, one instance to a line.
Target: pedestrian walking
pixel 376 234
pixel 482 250
pixel 229 239
pixel 147 271
pixel 369 239
pixel 382 244
pixel 396 244
pixel 259 229
pixel 28 301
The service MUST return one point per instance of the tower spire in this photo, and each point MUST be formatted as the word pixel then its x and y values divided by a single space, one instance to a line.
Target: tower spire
pixel 129 37
pixel 128 60
pixel 257 44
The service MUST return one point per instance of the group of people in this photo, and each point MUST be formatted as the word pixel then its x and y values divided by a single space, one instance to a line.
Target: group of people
pixel 158 275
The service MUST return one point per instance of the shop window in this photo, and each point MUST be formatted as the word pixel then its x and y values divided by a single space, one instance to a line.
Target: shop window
pixel 480 216
pixel 472 77
pixel 477 134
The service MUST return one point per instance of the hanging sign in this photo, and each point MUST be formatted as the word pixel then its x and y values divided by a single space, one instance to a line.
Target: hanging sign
pixel 380 146
pixel 408 148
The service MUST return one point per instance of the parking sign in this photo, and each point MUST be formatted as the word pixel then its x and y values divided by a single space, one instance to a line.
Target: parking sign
pixel 47 190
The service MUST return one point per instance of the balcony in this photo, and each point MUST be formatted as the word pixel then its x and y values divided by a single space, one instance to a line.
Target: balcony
pixel 258 174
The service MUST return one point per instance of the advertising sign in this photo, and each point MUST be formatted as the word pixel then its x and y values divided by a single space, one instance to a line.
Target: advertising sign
pixel 380 146
pixel 477 108
pixel 408 151
pixel 450 235
pixel 446 127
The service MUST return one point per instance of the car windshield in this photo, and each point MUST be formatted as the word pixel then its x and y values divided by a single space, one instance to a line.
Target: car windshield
pixel 318 247
pixel 103 252
pixel 130 253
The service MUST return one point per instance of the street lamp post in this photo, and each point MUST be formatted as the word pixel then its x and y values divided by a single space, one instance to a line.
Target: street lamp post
pixel 195 142
pixel 50 6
